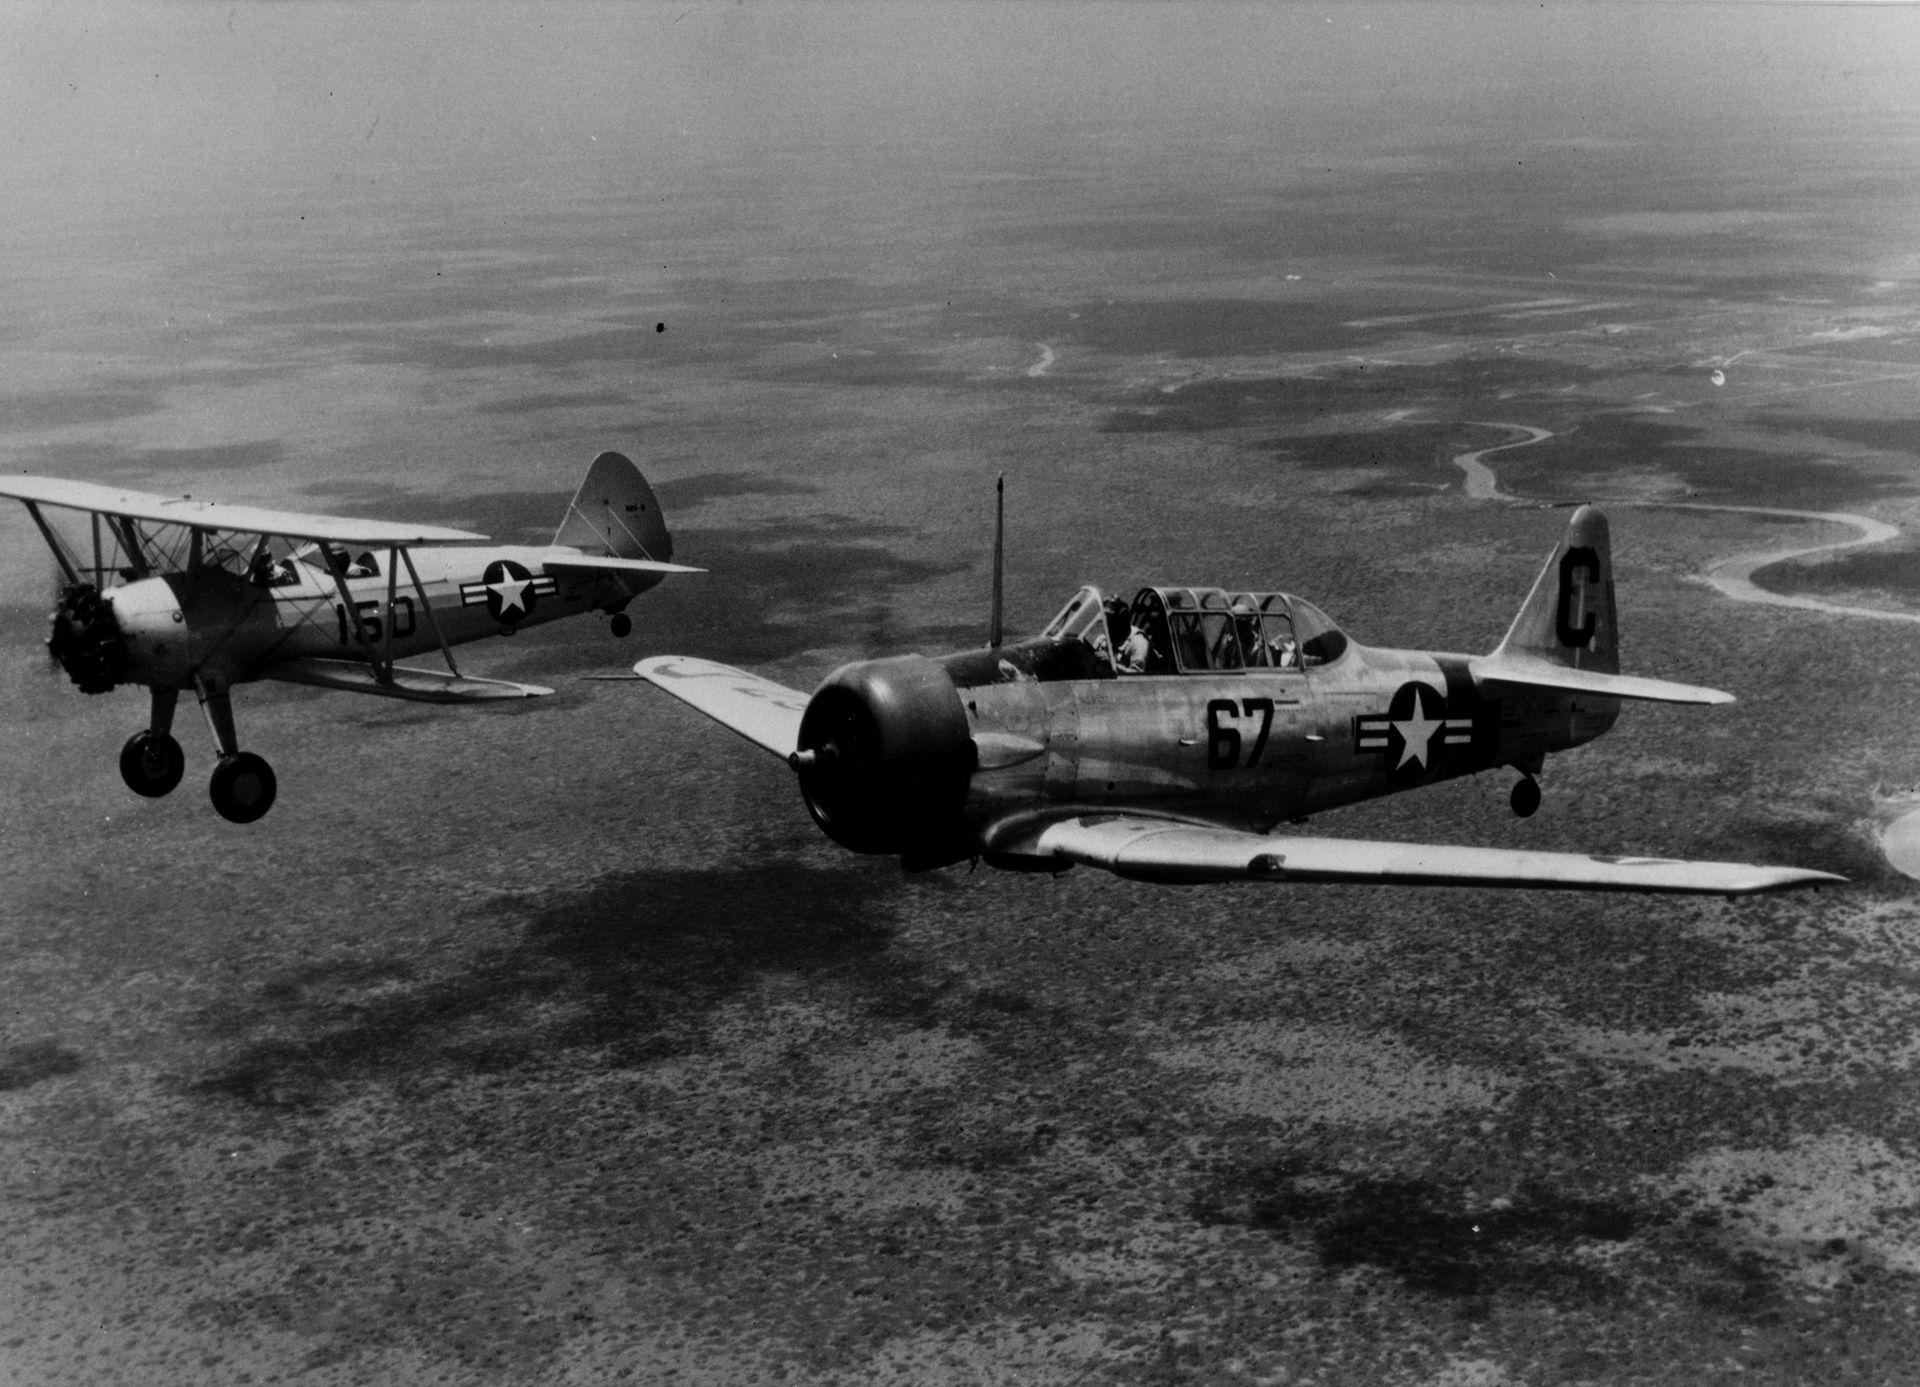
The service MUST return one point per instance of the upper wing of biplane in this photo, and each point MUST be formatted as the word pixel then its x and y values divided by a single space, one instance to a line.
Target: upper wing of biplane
pixel 765 713
pixel 1162 850
pixel 217 515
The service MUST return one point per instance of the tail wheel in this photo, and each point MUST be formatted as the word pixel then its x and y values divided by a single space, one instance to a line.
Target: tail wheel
pixel 152 764
pixel 242 787
pixel 621 625
pixel 1526 797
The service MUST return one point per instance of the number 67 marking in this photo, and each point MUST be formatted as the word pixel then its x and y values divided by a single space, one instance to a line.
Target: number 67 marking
pixel 1223 742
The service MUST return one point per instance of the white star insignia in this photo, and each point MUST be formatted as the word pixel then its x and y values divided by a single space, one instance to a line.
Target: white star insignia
pixel 511 591
pixel 1416 732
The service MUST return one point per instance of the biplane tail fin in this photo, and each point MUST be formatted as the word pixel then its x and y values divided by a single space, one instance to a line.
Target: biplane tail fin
pixel 615 514
pixel 1568 619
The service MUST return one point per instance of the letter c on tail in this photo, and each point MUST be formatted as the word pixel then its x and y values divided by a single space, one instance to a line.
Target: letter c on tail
pixel 1579 573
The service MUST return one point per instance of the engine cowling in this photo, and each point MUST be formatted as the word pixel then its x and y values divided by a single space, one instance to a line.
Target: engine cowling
pixel 86 639
pixel 885 755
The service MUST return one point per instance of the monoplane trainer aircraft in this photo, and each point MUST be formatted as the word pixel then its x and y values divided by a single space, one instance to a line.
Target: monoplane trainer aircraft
pixel 183 594
pixel 1163 739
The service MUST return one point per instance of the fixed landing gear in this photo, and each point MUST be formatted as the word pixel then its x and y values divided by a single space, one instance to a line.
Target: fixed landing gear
pixel 1525 797
pixel 152 763
pixel 242 787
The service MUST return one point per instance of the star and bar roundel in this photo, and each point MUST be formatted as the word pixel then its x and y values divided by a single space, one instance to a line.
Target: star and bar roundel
pixel 509 591
pixel 1413 734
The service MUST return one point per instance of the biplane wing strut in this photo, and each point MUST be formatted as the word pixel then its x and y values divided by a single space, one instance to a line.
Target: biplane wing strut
pixel 151 608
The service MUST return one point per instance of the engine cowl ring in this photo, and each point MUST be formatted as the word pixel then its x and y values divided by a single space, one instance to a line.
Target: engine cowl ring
pixel 885 756
pixel 86 639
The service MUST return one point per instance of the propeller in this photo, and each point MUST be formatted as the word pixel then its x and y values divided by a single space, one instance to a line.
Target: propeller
pixel 85 640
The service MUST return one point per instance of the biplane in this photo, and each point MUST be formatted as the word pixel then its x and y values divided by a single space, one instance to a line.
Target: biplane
pixel 1165 738
pixel 179 594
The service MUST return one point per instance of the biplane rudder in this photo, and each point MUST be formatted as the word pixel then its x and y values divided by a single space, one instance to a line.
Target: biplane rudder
pixel 1569 618
pixel 615 514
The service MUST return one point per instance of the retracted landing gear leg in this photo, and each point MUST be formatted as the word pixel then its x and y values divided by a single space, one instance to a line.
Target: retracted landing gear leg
pixel 243 787
pixel 151 762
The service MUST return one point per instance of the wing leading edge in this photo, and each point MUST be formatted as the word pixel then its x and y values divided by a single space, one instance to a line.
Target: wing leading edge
pixel 765 713
pixel 1158 850
pixel 216 515
pixel 1541 674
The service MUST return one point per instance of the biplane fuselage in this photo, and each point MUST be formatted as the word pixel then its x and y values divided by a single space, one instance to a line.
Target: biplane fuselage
pixel 177 594
pixel 183 628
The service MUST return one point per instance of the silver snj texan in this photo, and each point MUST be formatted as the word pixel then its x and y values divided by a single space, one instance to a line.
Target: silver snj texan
pixel 1249 709
pixel 183 594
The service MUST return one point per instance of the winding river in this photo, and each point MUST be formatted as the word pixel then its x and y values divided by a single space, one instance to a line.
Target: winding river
pixel 1733 577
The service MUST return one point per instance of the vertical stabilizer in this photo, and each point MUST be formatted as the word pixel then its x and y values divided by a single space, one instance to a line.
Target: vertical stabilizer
pixel 1568 619
pixel 615 514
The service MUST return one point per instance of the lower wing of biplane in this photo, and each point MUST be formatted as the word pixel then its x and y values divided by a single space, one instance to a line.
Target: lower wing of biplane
pixel 177 594
pixel 1148 847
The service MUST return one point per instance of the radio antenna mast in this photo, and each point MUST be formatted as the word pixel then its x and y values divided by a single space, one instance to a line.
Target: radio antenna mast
pixel 996 631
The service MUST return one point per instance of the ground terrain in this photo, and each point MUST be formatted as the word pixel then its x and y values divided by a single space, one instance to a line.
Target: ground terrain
pixel 552 1044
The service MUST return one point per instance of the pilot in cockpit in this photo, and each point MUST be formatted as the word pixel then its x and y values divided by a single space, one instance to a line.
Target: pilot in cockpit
pixel 1137 649
pixel 1246 630
pixel 269 572
pixel 1118 627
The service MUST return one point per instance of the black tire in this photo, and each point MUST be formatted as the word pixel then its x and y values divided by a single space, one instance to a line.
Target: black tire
pixel 1525 798
pixel 152 765
pixel 242 787
pixel 621 625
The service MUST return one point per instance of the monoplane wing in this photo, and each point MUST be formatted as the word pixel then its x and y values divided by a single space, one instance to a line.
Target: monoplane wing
pixel 217 515
pixel 1161 850
pixel 414 685
pixel 1543 674
pixel 560 560
pixel 765 713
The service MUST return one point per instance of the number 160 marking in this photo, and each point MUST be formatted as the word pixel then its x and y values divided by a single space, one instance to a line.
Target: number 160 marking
pixel 1223 742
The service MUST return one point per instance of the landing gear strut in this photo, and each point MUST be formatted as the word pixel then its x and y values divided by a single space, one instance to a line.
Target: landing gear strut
pixel 1526 797
pixel 242 787
pixel 151 762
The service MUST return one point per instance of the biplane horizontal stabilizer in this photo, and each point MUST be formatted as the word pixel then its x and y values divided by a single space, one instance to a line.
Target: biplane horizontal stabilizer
pixel 414 685
pixel 559 561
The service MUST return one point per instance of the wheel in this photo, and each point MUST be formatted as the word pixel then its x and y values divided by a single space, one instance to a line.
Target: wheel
pixel 152 764
pixel 242 787
pixel 621 625
pixel 1526 797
